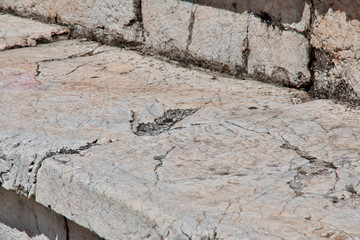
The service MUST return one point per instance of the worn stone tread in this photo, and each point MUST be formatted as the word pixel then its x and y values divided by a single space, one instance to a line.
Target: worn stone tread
pixel 132 147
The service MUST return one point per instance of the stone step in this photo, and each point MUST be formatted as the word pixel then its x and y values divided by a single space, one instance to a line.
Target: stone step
pixel 132 147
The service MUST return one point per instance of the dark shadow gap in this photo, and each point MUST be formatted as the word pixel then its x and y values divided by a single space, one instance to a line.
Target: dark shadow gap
pixel 26 215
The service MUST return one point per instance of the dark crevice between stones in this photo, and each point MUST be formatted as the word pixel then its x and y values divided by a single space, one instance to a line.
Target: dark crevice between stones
pixel 163 123
pixel 309 170
pixel 66 226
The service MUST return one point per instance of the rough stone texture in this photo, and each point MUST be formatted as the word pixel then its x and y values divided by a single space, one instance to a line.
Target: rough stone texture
pixel 166 24
pixel 278 56
pixel 132 147
pixel 291 14
pixel 336 33
pixel 302 43
pixel 220 37
pixel 96 18
pixel 29 34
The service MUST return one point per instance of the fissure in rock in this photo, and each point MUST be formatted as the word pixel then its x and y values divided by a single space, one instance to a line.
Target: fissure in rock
pixel 163 123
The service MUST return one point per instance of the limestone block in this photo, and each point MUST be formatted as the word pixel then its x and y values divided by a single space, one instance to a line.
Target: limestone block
pixel 290 14
pixel 29 34
pixel 220 37
pixel 281 56
pixel 179 182
pixel 166 25
pixel 336 32
pixel 98 16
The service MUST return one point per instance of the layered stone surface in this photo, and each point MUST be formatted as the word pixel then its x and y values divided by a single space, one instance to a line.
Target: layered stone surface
pixel 303 44
pixel 132 147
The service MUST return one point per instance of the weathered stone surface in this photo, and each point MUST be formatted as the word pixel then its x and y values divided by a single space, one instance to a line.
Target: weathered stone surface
pixel 99 17
pixel 132 147
pixel 336 32
pixel 220 37
pixel 29 34
pixel 290 14
pixel 278 56
pixel 302 44
pixel 166 25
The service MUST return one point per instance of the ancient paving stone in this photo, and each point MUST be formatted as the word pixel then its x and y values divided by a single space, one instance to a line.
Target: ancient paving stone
pixel 217 157
pixel 29 34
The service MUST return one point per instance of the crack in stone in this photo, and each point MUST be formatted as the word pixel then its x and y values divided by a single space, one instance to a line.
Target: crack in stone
pixel 161 124
pixel 62 151
pixel 298 151
pixel 309 170
pixel 191 28
pixel 160 159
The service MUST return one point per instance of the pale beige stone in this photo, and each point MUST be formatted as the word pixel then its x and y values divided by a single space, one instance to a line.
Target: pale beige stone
pixel 220 37
pixel 104 16
pixel 29 34
pixel 133 147
pixel 281 56
pixel 291 14
pixel 166 24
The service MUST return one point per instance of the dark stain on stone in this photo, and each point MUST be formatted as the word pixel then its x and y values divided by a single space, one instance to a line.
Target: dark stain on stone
pixel 163 123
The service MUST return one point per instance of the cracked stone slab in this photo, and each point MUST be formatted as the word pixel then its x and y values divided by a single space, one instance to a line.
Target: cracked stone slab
pixel 29 34
pixel 217 157
pixel 96 18
pixel 222 173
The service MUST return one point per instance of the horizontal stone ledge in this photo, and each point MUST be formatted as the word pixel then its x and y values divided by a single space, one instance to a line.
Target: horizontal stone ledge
pixel 272 41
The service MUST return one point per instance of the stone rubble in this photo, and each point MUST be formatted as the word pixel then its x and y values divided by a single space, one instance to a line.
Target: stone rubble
pixel 132 147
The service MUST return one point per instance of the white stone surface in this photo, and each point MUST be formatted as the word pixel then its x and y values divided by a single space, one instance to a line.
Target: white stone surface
pixel 220 36
pixel 235 159
pixel 281 56
pixel 96 15
pixel 166 24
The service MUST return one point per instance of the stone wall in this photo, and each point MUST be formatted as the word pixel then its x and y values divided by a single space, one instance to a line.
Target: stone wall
pixel 308 44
